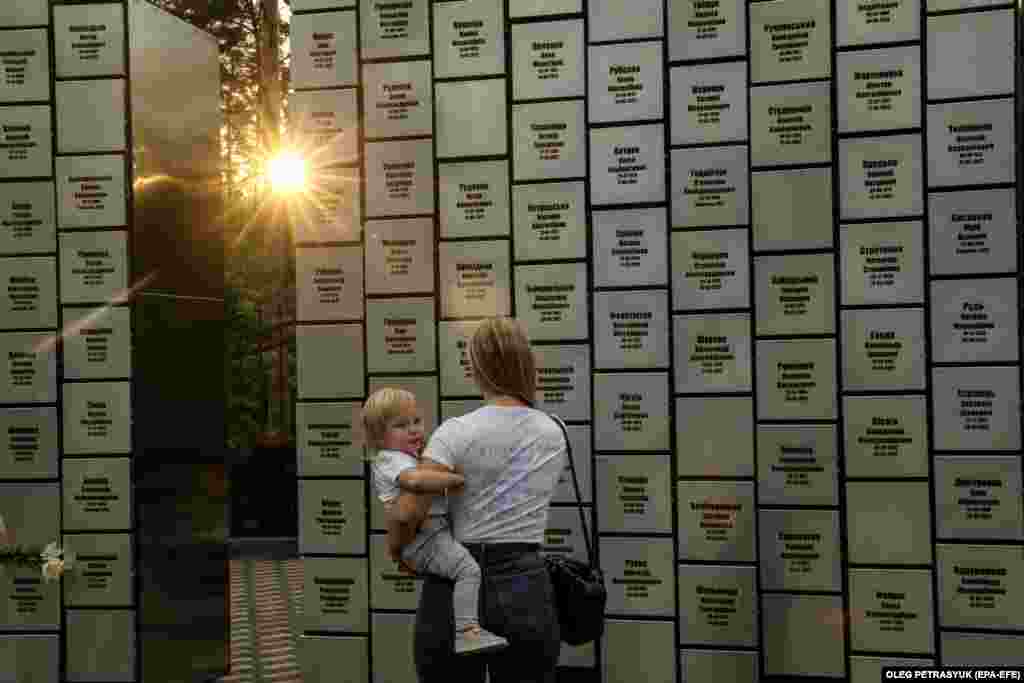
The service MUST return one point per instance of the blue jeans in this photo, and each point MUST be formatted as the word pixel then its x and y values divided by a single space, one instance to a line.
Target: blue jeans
pixel 517 602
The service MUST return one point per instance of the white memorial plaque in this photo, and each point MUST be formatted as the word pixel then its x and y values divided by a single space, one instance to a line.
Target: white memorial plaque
pixel 97 494
pixel 707 31
pixel 631 330
pixel 548 140
pixel 400 256
pixel 623 19
pixel 330 360
pixel 89 40
pixel 30 658
pixel 864 23
pixel 633 493
pixel 475 279
pixel 91 116
pixel 327 55
pixel 326 123
pixel 797 465
pixel 627 164
pixel 97 418
pixel 469 38
pixel 792 209
pixel 394 29
pixel 25 13
pixel 306 5
pixel 629 247
pixel 715 437
pixel 547 60
pixel 709 186
pixel 799 550
pixel 639 575
pixel 101 645
pixel 973 232
pixel 30 374
pixel 389 629
pixel 29 603
pixel 540 8
pixel 399 178
pixel 699 666
pixel 935 6
pixel 550 221
pixel 28 449
pixel 329 283
pixel 332 519
pixel 31 300
pixel 424 389
pixel 97 343
pixel 623 639
pixel 709 103
pixel 471 118
pixel 104 571
pixel 976 409
pixel 398 99
pixel 882 263
pixel 565 491
pixel 980 586
pixel 894 610
pixel 869 669
pixel 552 301
pixel 712 353
pixel 563 381
pixel 27 221
pixel 974 321
pixel 981 649
pixel 795 294
pixel 563 536
pixel 718 605
pixel 791 124
pixel 971 143
pixel 789 40
pixel 879 89
pixel 91 191
pixel 474 199
pixel 626 82
pixel 330 211
pixel 326 440
pixel 797 379
pixel 25 141
pixel 803 636
pixel 450 409
pixel 335 588
pixel 456 369
pixel 93 266
pixel 716 521
pixel 888 523
pixel 881 177
pixel 970 55
pixel 389 587
pixel 710 269
pixel 401 335
pixel 883 350
pixel 886 436
pixel 25 67
pixel 978 497
pixel 631 412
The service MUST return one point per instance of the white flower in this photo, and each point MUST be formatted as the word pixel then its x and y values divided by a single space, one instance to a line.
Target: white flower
pixel 51 552
pixel 52 570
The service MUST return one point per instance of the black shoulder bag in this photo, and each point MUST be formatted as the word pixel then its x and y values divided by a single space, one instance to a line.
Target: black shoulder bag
pixel 580 594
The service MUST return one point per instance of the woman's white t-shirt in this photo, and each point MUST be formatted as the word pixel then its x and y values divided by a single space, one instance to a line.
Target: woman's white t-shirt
pixel 511 458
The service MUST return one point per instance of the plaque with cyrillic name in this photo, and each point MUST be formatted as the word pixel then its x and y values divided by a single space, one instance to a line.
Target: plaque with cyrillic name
pixel 971 143
pixel 712 353
pixel 469 38
pixel 25 67
pixel 101 645
pixel 888 523
pixel 563 381
pixel 25 13
pixel 31 512
pixel 973 232
pixel 978 497
pixel 319 348
pixel 475 279
pixel 30 658
pixel 327 125
pixel 332 520
pixel 565 491
pixel 25 141
pixel 627 164
pixel 716 521
pixel 877 21
pixel 631 330
pixel 399 178
pixel 886 436
pixel 980 586
pixel 400 256
pixel 881 263
pixel 424 389
pixel 970 55
pixel 471 118
pixel 389 587
pixel 710 269
pixel 803 635
pixel 30 375
pixel 869 669
pixel 639 576
pixel 326 443
pixel 458 408
pixel 394 29
pixel 456 369
pixel 474 198
pixel 883 350
pixel 329 283
pixel 548 140
pixel 718 605
pixel 789 40
pixel 327 55
pixel 622 19
pixel 797 379
pixel 791 124
pixel 634 493
pixel 91 116
pixel 97 417
pixel 335 591
pixel 563 536
pixel 715 437
pixel 799 550
pixel 401 335
pixel 89 41
pixel 330 211
pixel 93 266
pixel 624 639
pixel 97 343
pixel 29 603
pixel 707 29
pixel 103 571
pixel 29 450
pixel 794 294
pixel 398 99
pixel 91 192
pixel 626 82
pixel 31 300
pixel 974 321
pixel 792 209
pixel 551 221
pixel 981 649
pixel 879 89
pixel 881 177
pixel 894 610
pixel 631 412
pixel 629 247
pixel 699 666
pixel 709 186
pixel 797 465
pixel 547 60
pixel 976 408
pixel 27 220
pixel 709 103
pixel 97 494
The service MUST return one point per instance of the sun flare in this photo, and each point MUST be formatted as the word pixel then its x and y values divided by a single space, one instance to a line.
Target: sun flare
pixel 287 172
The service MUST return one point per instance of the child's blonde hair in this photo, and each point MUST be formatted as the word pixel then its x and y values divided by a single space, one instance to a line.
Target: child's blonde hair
pixel 383 406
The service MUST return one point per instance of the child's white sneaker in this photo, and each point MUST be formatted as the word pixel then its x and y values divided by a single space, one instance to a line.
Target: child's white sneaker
pixel 477 640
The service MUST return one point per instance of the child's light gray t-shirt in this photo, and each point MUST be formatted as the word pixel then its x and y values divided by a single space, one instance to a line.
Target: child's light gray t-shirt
pixel 511 458
pixel 387 466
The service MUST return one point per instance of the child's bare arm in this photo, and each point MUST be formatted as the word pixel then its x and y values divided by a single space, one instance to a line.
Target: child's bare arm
pixel 427 479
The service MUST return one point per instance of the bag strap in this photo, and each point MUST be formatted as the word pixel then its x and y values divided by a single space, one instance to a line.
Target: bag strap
pixel 576 486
